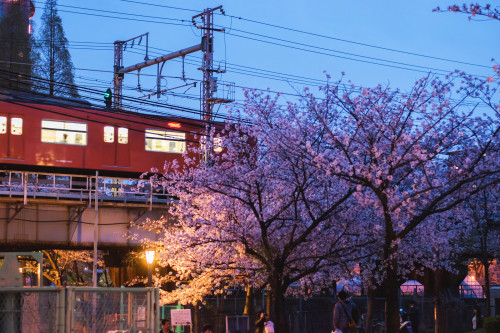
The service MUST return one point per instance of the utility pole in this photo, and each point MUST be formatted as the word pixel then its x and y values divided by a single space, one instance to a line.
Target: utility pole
pixel 209 83
pixel 118 65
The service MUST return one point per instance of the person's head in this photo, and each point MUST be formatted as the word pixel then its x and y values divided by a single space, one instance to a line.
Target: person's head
pixel 342 295
pixel 261 314
pixel 165 324
pixel 412 304
pixel 266 315
pixel 207 329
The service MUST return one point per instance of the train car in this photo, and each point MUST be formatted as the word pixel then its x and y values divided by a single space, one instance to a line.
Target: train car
pixel 54 135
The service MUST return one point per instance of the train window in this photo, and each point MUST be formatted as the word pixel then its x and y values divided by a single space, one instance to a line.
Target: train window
pixel 122 135
pixel 3 125
pixel 64 132
pixel 109 134
pixel 217 145
pixel 16 126
pixel 165 141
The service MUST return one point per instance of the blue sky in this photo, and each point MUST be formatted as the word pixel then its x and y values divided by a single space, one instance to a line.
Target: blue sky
pixel 405 26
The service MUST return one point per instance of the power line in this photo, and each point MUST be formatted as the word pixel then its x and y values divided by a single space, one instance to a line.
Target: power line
pixel 125 18
pixel 163 6
pixel 359 43
pixel 322 36
pixel 279 77
pixel 344 57
pixel 123 13
pixel 165 105
pixel 371 60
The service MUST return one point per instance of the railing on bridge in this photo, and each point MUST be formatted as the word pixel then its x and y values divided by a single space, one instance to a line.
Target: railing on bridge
pixel 79 187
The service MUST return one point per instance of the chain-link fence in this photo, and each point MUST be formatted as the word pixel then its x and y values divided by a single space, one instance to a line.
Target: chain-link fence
pixel 28 311
pixel 315 314
pixel 79 310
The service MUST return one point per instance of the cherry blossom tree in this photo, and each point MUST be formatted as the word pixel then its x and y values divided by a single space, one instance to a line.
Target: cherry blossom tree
pixel 473 9
pixel 299 193
pixel 65 267
pixel 262 214
pixel 483 242
pixel 413 157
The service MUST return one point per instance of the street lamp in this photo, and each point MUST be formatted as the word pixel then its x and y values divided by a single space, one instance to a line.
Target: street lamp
pixel 150 257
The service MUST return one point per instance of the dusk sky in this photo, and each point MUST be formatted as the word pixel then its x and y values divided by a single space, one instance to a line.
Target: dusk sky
pixel 388 42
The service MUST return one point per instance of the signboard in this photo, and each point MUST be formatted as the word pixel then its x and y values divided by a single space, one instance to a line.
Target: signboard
pixel 141 316
pixel 180 317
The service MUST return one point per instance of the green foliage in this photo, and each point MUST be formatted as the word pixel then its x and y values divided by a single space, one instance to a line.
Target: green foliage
pixel 492 324
pixel 54 59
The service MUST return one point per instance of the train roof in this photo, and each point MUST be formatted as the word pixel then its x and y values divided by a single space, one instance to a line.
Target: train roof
pixel 79 103
pixel 38 98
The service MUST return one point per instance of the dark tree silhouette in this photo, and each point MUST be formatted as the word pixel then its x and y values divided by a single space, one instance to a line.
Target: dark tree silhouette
pixel 54 64
pixel 15 45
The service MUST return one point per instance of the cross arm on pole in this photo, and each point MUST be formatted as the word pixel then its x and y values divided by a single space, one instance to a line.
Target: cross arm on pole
pixel 163 58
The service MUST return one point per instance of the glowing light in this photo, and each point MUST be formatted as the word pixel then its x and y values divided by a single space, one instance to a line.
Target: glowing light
pixel 174 125
pixel 150 256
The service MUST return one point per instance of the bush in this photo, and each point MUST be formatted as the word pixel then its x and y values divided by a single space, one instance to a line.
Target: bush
pixel 492 324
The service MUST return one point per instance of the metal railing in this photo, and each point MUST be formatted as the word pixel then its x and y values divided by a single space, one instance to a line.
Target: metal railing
pixel 79 187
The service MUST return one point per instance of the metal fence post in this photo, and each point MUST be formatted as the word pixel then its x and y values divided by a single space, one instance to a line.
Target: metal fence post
pixel 60 310
pixel 25 181
pixel 151 308
pixel 69 309
pixel 157 310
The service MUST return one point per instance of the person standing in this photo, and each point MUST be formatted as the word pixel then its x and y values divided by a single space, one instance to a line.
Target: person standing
pixel 476 319
pixel 413 316
pixel 165 326
pixel 342 313
pixel 268 324
pixel 260 322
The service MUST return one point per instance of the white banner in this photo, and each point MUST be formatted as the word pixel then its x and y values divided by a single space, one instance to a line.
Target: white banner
pixel 180 317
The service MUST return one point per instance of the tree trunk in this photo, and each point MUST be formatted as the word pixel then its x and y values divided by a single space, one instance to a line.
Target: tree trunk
pixel 391 287
pixel 196 325
pixel 439 316
pixel 369 310
pixel 268 301
pixel 249 298
pixel 79 279
pixel 278 299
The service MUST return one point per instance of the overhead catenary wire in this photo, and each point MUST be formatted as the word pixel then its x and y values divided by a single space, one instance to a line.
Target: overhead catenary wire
pixel 273 75
pixel 371 60
pixel 112 114
pixel 313 82
pixel 309 33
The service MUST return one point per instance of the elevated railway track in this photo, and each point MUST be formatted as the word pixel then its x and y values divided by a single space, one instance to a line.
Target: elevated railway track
pixel 54 210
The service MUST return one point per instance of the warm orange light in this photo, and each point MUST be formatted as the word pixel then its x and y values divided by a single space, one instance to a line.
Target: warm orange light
pixel 174 125
pixel 150 256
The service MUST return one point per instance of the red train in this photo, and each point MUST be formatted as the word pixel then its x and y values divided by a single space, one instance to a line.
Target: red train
pixel 60 136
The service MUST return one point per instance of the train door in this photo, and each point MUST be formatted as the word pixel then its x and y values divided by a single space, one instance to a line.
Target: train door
pixel 116 151
pixel 11 137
